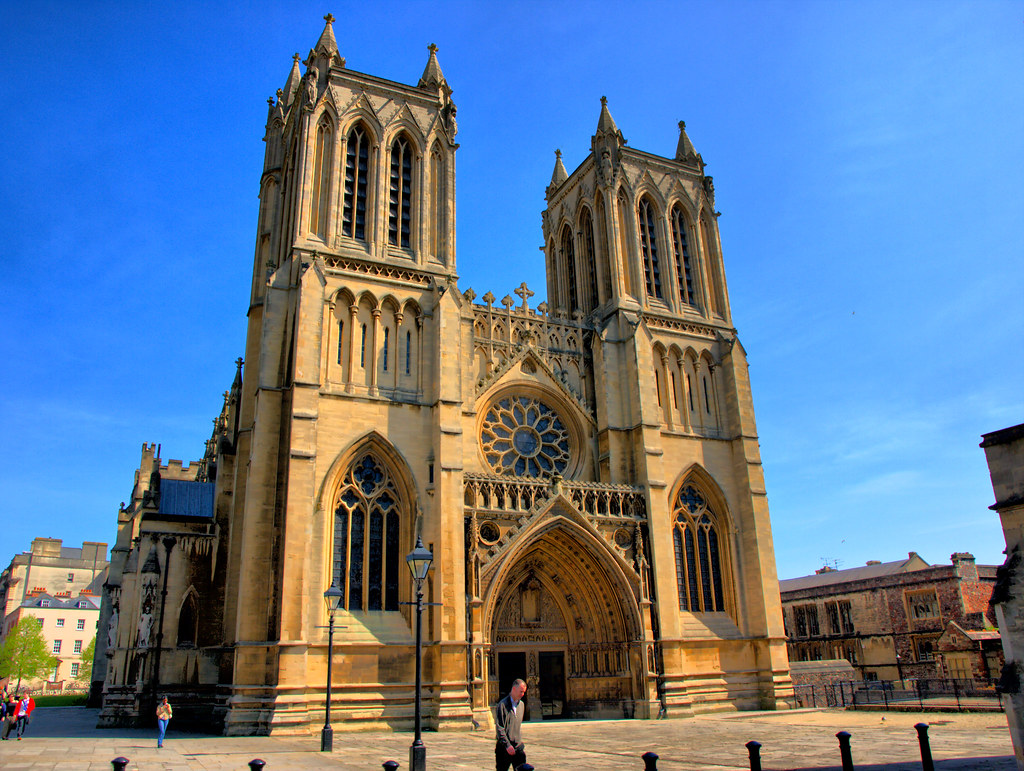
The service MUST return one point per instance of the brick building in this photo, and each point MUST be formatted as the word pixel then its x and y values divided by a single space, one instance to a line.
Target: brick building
pixel 895 620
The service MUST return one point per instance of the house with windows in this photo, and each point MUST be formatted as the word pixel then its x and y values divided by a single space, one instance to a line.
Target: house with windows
pixel 583 468
pixel 61 587
pixel 897 620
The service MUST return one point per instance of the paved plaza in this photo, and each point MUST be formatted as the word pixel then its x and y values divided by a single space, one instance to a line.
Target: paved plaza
pixel 66 738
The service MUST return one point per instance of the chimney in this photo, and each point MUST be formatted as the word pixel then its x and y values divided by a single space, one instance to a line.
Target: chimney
pixel 873 562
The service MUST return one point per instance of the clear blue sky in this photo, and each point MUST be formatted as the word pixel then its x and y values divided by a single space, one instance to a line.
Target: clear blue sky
pixel 868 162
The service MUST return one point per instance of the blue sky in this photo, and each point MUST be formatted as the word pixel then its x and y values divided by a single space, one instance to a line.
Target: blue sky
pixel 867 159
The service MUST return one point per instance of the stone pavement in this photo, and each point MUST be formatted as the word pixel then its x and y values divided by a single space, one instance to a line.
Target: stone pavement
pixel 66 738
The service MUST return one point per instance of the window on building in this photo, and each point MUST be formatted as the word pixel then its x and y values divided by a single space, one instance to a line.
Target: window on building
pixel 806 620
pixel 400 208
pixel 60 622
pixel 408 351
pixel 846 616
pixel 387 335
pixel 56 646
pixel 684 271
pixel 923 604
pixel 367 523
pixel 832 613
pixel 74 669
pixel 569 267
pixel 697 552
pixel 341 337
pixel 81 624
pixel 357 162
pixel 589 258
pixel 924 648
pixel 54 674
pixel 44 603
pixel 437 204
pixel 321 177
pixel 647 219
pixel 71 577
pixel 78 646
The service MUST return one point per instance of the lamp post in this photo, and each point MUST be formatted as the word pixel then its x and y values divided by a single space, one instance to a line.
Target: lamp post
pixel 419 560
pixel 332 599
pixel 899 668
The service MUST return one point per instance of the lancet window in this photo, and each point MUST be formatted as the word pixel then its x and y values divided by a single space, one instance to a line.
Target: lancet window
pixel 321 178
pixel 357 164
pixel 589 259
pixel 647 219
pixel 684 271
pixel 569 266
pixel 437 204
pixel 695 533
pixel 400 207
pixel 367 525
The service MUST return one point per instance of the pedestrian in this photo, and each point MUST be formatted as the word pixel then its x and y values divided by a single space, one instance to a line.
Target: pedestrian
pixel 10 706
pixel 163 717
pixel 24 714
pixel 508 721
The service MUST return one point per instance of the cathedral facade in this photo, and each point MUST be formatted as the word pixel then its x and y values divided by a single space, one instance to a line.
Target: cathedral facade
pixel 585 470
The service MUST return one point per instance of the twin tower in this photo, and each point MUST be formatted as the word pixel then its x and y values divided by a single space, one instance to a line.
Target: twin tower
pixel 585 470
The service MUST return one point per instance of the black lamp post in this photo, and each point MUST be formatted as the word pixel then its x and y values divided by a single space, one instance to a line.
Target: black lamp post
pixel 332 598
pixel 419 560
pixel 899 668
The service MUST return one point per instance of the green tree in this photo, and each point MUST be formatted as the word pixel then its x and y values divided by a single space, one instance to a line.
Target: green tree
pixel 24 654
pixel 85 667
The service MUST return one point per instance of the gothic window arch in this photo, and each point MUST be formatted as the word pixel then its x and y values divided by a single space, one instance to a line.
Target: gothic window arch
pixel 716 295
pixel 188 621
pixel 569 266
pixel 367 533
pixel 400 193
pixel 321 177
pixel 647 219
pixel 357 175
pixel 589 257
pixel 625 251
pixel 681 250
pixel 697 535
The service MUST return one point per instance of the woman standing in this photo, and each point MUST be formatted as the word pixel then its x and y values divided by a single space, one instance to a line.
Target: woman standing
pixel 163 717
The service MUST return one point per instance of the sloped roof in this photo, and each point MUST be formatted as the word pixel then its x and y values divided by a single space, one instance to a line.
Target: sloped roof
pixel 832 577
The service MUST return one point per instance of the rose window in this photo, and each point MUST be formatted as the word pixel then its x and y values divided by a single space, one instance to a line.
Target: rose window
pixel 523 436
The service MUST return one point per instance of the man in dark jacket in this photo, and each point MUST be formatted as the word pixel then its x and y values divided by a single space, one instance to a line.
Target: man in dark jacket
pixel 508 721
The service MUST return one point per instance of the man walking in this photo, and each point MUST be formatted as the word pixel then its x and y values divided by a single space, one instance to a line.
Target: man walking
pixel 508 721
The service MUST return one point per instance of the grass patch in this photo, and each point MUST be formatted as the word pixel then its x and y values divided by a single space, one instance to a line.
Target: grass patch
pixel 61 700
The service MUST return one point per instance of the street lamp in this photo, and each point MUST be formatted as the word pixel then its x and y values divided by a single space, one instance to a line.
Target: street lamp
pixel 332 599
pixel 419 560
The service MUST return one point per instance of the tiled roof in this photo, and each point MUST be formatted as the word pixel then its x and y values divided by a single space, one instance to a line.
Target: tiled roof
pixel 866 572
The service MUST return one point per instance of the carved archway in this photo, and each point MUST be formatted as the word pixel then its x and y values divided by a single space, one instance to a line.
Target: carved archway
pixel 564 608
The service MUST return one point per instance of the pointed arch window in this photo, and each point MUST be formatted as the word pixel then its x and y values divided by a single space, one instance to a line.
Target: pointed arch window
pixel 715 293
pixel 589 259
pixel 684 270
pixel 367 520
pixel 695 535
pixel 386 336
pixel 647 220
pixel 357 164
pixel 569 266
pixel 321 178
pixel 400 207
pixel 188 622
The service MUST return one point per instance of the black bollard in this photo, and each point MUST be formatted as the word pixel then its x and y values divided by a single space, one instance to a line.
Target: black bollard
pixel 844 750
pixel 754 748
pixel 390 766
pixel 926 748
pixel 256 764
pixel 650 761
pixel 120 764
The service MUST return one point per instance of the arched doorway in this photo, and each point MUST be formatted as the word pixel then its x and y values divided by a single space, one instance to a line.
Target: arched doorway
pixel 562 613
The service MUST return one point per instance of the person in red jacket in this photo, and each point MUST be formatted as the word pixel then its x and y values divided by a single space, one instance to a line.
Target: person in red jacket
pixel 24 713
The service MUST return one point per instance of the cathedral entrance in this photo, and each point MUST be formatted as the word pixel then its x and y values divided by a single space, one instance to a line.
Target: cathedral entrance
pixel 564 619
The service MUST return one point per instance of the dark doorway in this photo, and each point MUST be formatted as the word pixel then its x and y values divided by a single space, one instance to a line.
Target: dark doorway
pixel 512 666
pixel 552 684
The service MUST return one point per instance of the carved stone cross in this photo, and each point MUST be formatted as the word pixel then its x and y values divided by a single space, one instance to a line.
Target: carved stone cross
pixel 525 295
pixel 432 48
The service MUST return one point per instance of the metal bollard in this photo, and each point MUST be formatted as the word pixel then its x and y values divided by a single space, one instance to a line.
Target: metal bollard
pixel 256 764
pixel 754 748
pixel 120 764
pixel 390 766
pixel 926 748
pixel 844 750
pixel 650 761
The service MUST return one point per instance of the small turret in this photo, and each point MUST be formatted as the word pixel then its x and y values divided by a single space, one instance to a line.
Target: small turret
pixel 327 46
pixel 684 150
pixel 606 128
pixel 432 76
pixel 558 176
pixel 291 86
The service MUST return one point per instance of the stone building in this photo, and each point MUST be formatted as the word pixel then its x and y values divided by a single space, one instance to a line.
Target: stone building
pixel 1004 452
pixel 61 587
pixel 586 471
pixel 895 620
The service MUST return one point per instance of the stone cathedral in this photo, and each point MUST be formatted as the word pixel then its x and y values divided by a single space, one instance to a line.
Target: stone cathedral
pixel 584 470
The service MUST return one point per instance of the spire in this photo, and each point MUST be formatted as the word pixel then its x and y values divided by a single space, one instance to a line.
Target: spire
pixel 606 128
pixel 559 175
pixel 432 75
pixel 684 150
pixel 292 84
pixel 327 45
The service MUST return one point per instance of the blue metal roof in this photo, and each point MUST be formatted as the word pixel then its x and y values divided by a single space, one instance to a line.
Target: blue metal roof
pixel 179 497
